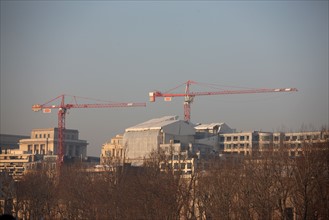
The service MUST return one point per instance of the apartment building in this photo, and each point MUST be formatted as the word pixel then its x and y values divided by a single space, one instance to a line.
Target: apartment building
pixel 14 162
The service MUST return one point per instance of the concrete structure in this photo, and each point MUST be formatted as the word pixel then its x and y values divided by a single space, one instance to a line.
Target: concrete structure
pixel 113 151
pixel 208 134
pixel 247 143
pixel 179 159
pixel 44 142
pixel 140 140
pixel 295 141
pixel 243 143
pixel 14 162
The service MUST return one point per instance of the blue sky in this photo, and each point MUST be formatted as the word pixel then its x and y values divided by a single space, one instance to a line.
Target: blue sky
pixel 120 51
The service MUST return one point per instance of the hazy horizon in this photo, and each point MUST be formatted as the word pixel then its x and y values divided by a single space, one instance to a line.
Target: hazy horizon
pixel 121 51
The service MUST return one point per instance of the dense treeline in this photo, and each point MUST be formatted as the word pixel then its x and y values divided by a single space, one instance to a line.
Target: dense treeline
pixel 271 186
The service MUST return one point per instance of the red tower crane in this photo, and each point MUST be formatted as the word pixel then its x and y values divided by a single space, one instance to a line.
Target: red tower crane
pixel 189 96
pixel 62 110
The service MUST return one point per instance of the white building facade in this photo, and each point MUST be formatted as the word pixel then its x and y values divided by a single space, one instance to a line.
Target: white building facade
pixel 45 142
pixel 140 140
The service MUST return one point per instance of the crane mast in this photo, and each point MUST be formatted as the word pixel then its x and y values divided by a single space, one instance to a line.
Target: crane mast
pixel 189 96
pixel 62 110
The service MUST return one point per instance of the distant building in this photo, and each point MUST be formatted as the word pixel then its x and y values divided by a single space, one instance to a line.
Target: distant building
pixel 208 134
pixel 140 140
pixel 15 162
pixel 242 143
pixel 294 141
pixel 248 143
pixel 45 142
pixel 113 151
pixel 41 150
pixel 9 141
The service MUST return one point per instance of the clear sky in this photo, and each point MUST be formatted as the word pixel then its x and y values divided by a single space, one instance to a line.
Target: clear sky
pixel 120 51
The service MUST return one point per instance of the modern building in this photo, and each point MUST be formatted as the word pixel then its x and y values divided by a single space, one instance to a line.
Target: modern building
pixel 178 159
pixel 247 143
pixel 242 143
pixel 295 141
pixel 45 142
pixel 14 162
pixel 140 140
pixel 208 134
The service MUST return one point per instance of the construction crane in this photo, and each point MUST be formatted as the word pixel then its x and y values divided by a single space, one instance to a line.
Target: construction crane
pixel 189 96
pixel 62 110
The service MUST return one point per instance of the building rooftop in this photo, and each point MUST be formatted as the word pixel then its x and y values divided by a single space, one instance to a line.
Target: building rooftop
pixel 154 124
pixel 208 126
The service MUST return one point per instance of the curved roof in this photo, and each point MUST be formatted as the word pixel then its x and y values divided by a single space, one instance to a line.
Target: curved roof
pixel 154 124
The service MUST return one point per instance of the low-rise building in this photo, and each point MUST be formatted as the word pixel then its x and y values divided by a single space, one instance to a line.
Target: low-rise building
pixel 239 143
pixel 208 134
pixel 113 151
pixel 15 162
pixel 45 142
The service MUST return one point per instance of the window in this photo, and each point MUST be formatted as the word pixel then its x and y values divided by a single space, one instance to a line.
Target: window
pixel 189 165
pixel 44 135
pixel 235 138
pixel 42 149
pixel 247 138
pixel 221 139
pixel 182 166
pixel 276 138
pixel 287 138
pixel 77 151
pixel 175 165
pixel 36 135
pixel 228 138
pixel 241 145
pixel 241 138
pixel 265 138
pixel 294 138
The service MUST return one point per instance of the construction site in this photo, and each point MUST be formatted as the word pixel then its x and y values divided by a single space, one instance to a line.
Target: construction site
pixel 181 160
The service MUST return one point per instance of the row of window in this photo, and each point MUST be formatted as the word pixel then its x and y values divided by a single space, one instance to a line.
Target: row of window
pixel 42 136
pixel 66 136
pixel 236 146
pixel 177 166
pixel 269 138
pixel 302 137
pixel 234 138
